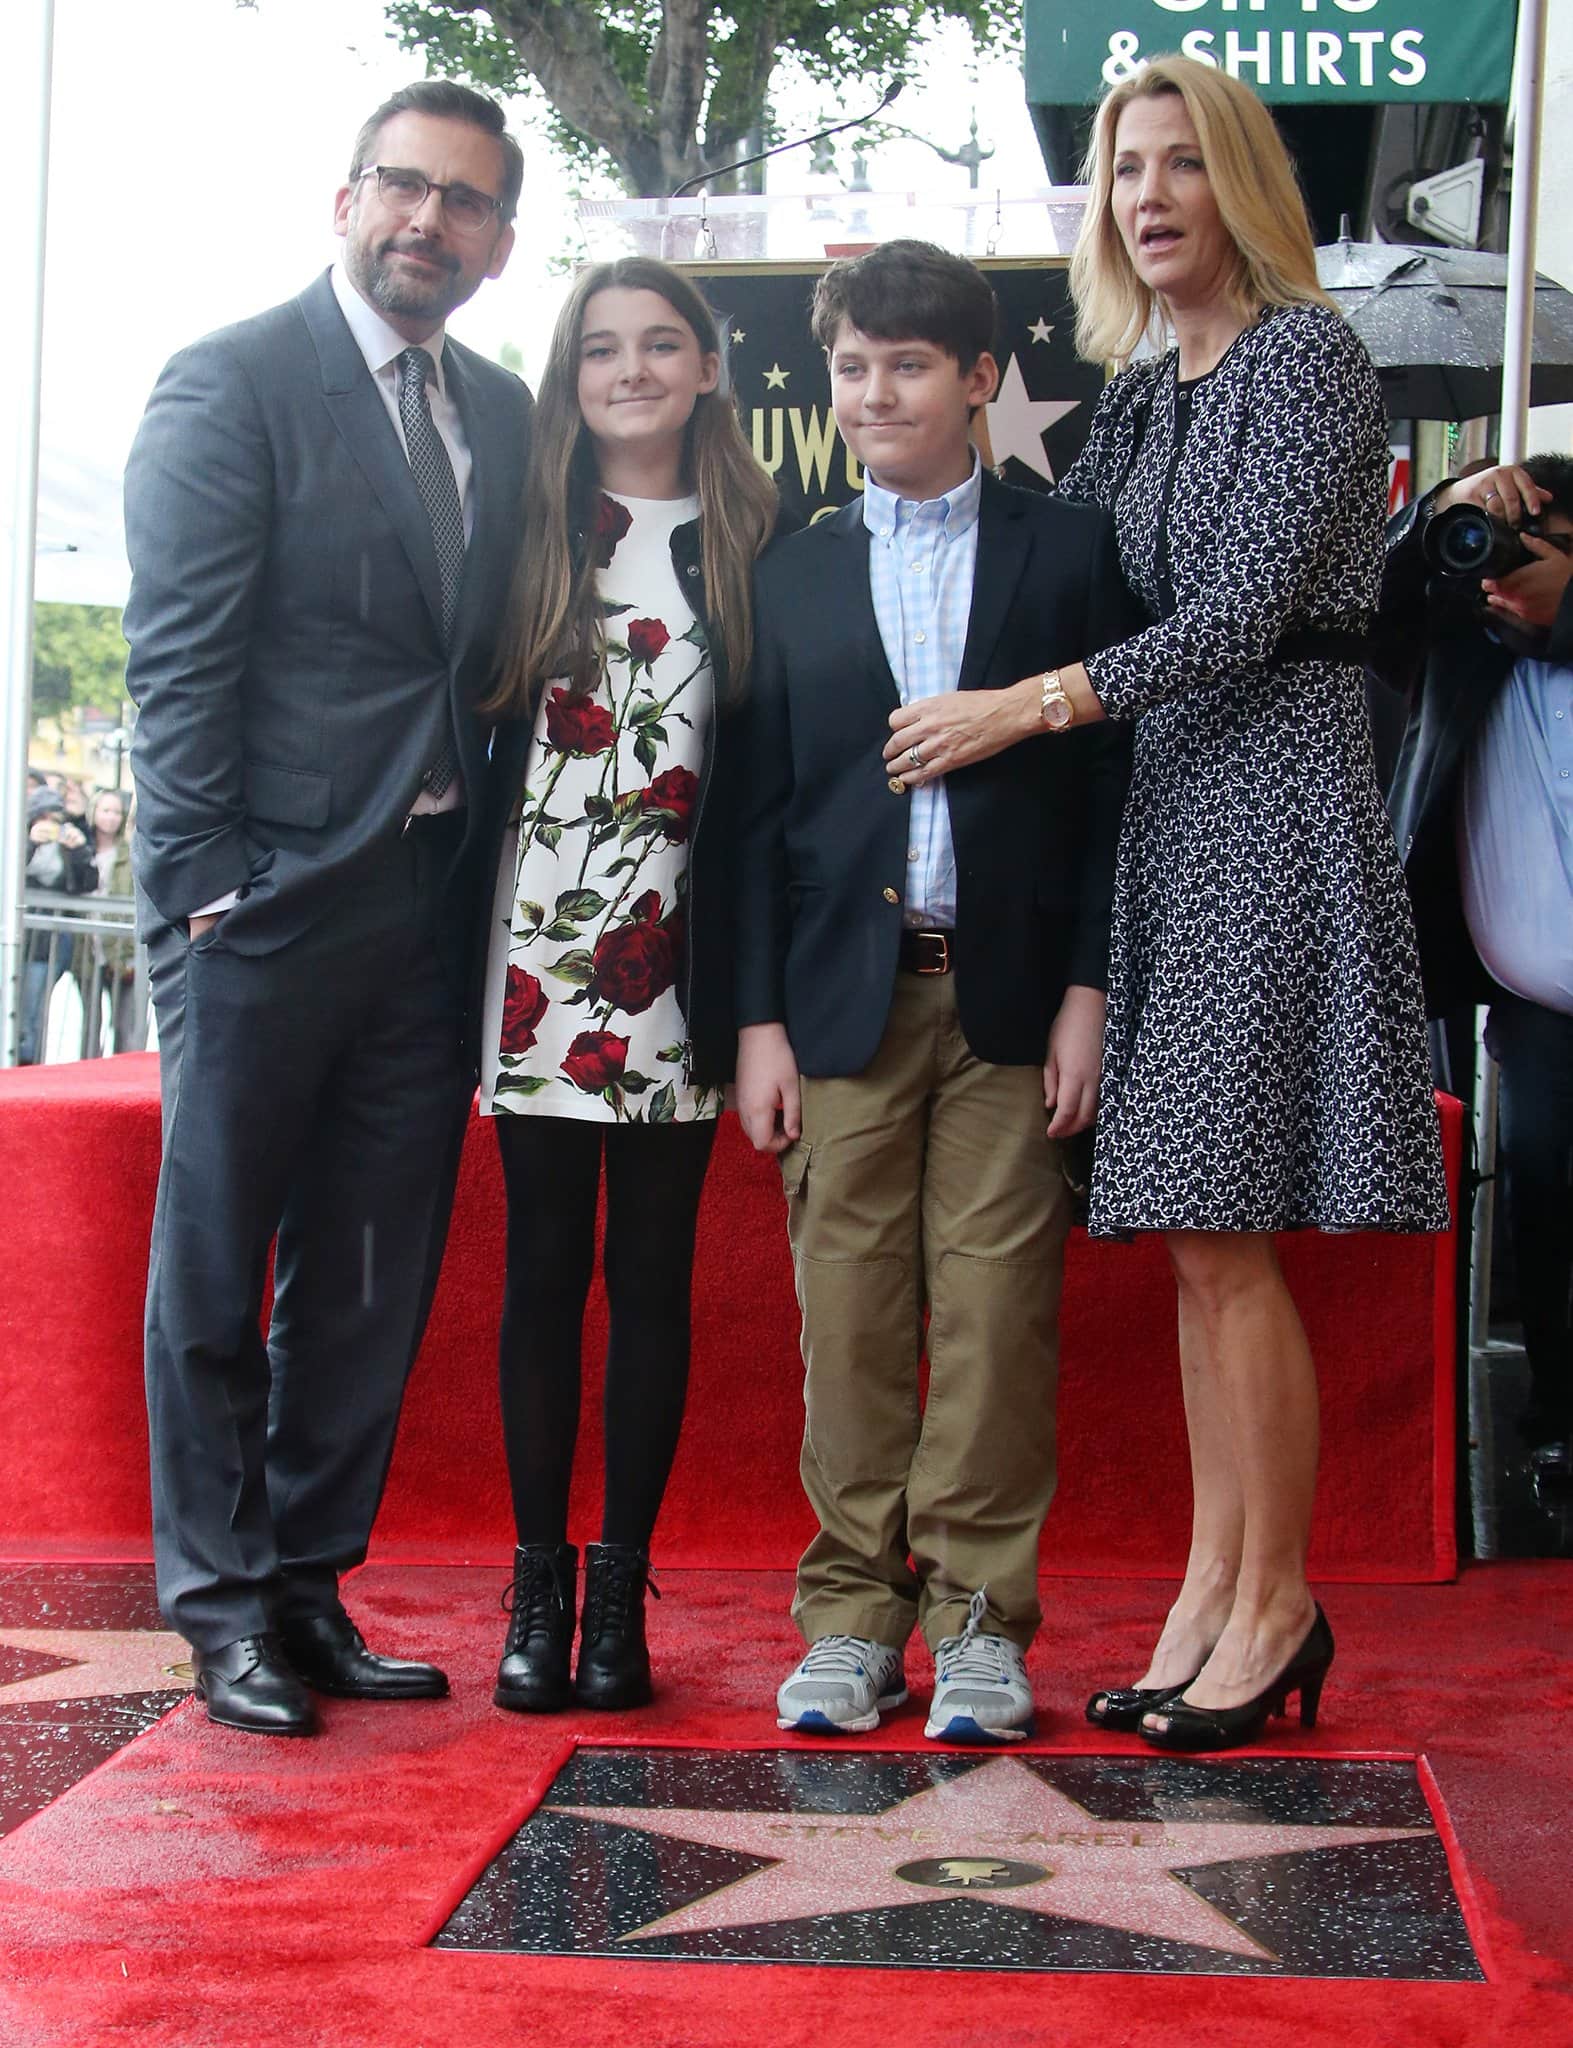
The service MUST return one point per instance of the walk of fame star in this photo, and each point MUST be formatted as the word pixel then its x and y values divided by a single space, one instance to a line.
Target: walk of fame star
pixel 1017 423
pixel 1262 1867
pixel 79 1664
pixel 999 1833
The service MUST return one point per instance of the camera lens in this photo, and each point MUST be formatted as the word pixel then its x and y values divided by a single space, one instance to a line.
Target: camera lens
pixel 1463 543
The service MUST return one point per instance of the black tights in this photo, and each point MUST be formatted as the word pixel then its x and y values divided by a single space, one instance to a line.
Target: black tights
pixel 654 1174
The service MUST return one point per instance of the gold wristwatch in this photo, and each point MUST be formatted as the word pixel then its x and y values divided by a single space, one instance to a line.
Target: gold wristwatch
pixel 1054 707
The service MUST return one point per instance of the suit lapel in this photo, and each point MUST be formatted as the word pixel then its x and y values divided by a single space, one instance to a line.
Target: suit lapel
pixel 1002 556
pixel 857 598
pixel 357 410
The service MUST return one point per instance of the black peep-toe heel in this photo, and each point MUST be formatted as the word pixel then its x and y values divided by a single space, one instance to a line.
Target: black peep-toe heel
pixel 1124 1705
pixel 1199 1728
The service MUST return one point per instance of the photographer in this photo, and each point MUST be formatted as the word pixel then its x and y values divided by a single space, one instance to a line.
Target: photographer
pixel 58 859
pixel 1476 604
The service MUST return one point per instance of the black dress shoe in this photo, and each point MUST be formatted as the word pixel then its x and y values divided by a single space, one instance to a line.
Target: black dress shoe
pixel 247 1684
pixel 614 1664
pixel 533 1677
pixel 328 1652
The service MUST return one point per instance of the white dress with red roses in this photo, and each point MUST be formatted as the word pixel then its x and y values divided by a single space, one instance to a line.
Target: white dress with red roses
pixel 582 1016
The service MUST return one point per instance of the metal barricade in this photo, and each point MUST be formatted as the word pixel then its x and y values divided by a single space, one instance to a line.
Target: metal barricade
pixel 83 978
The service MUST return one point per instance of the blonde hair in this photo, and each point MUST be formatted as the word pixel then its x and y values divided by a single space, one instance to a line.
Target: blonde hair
pixel 1253 182
pixel 555 626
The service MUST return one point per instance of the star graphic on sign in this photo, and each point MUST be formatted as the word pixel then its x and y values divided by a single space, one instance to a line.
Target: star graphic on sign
pixel 999 1834
pixel 738 337
pixel 775 378
pixel 1017 423
pixel 1040 330
pixel 96 1663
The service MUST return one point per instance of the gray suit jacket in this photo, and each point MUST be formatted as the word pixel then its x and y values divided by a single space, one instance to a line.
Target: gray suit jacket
pixel 285 618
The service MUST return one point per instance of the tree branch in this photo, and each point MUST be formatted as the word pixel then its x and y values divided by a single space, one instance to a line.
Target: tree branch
pixel 560 43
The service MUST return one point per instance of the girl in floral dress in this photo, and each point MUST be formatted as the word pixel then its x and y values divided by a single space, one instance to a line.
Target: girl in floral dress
pixel 607 1023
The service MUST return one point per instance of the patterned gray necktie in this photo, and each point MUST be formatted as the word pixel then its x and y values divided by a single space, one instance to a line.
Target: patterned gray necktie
pixel 434 480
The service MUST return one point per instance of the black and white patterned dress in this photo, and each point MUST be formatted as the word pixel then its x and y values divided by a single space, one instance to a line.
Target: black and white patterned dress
pixel 1265 1057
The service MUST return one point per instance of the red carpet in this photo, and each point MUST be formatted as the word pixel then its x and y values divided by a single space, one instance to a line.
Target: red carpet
pixel 78 1161
pixel 210 1888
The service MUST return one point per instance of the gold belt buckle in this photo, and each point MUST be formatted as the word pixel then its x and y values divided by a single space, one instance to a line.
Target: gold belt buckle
pixel 942 941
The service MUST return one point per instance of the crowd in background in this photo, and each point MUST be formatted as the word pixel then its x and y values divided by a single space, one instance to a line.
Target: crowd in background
pixel 78 847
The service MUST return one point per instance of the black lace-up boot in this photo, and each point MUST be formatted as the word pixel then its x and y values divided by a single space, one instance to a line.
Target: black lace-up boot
pixel 533 1675
pixel 614 1663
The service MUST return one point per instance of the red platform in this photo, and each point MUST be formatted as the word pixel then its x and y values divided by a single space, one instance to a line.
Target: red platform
pixel 78 1163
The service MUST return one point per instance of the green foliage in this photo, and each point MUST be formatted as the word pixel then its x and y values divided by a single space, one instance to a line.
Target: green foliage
pixel 79 659
pixel 600 75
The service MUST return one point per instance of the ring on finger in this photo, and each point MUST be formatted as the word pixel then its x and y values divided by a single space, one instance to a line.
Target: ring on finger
pixel 914 757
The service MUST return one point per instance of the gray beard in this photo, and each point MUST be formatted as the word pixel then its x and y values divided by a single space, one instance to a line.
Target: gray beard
pixel 409 300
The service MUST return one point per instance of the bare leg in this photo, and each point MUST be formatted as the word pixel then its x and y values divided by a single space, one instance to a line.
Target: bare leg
pixel 1202 1606
pixel 1254 1392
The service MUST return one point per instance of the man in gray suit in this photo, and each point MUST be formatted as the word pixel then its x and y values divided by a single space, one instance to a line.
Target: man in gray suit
pixel 322 513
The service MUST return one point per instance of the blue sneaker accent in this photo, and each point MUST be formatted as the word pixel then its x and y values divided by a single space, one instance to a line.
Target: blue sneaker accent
pixel 963 1730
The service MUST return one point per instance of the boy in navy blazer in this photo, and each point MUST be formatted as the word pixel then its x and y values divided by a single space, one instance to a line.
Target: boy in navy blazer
pixel 921 962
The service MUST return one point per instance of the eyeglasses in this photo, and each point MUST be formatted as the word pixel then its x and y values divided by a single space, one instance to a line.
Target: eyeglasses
pixel 463 207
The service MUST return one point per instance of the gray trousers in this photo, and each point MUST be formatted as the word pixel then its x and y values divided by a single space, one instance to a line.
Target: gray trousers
pixel 314 1099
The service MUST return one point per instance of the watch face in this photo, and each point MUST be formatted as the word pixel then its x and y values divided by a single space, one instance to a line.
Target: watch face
pixel 1057 711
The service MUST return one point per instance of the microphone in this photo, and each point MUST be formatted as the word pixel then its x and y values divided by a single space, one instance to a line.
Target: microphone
pixel 892 92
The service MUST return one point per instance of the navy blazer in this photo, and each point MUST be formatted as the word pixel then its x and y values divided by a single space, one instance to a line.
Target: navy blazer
pixel 822 840
pixel 285 619
pixel 1439 652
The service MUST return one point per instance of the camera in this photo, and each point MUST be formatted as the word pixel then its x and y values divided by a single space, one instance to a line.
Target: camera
pixel 1465 543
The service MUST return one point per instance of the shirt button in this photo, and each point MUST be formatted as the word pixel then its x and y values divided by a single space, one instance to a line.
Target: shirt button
pixel 918 568
pixel 890 895
pixel 921 640
pixel 912 856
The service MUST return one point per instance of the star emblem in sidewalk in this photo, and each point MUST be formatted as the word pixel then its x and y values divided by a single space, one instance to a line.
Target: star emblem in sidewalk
pixel 998 1834
pixel 1017 423
pixel 96 1663
pixel 775 378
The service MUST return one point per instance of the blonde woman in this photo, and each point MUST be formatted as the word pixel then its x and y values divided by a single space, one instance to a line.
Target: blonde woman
pixel 1264 1056
pixel 608 1021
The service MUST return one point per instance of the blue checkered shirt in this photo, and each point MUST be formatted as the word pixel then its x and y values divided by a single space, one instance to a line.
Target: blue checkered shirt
pixel 920 565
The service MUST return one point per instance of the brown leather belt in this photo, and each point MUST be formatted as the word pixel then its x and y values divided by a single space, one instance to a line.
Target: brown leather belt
pixel 927 952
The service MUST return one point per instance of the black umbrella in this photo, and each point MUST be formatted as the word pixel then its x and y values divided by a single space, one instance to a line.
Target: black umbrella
pixel 1433 321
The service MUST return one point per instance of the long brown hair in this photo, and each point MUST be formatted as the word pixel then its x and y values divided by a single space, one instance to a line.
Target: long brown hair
pixel 1252 180
pixel 555 626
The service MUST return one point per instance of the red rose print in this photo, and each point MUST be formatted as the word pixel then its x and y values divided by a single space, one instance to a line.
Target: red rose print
pixel 646 638
pixel 595 1060
pixel 577 725
pixel 634 963
pixel 612 521
pixel 524 1004
pixel 674 790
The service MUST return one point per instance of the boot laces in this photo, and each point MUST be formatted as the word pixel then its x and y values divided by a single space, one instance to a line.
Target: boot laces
pixel 535 1598
pixel 614 1589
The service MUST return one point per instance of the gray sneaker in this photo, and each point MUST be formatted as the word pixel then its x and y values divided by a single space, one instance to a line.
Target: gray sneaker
pixel 981 1694
pixel 842 1687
